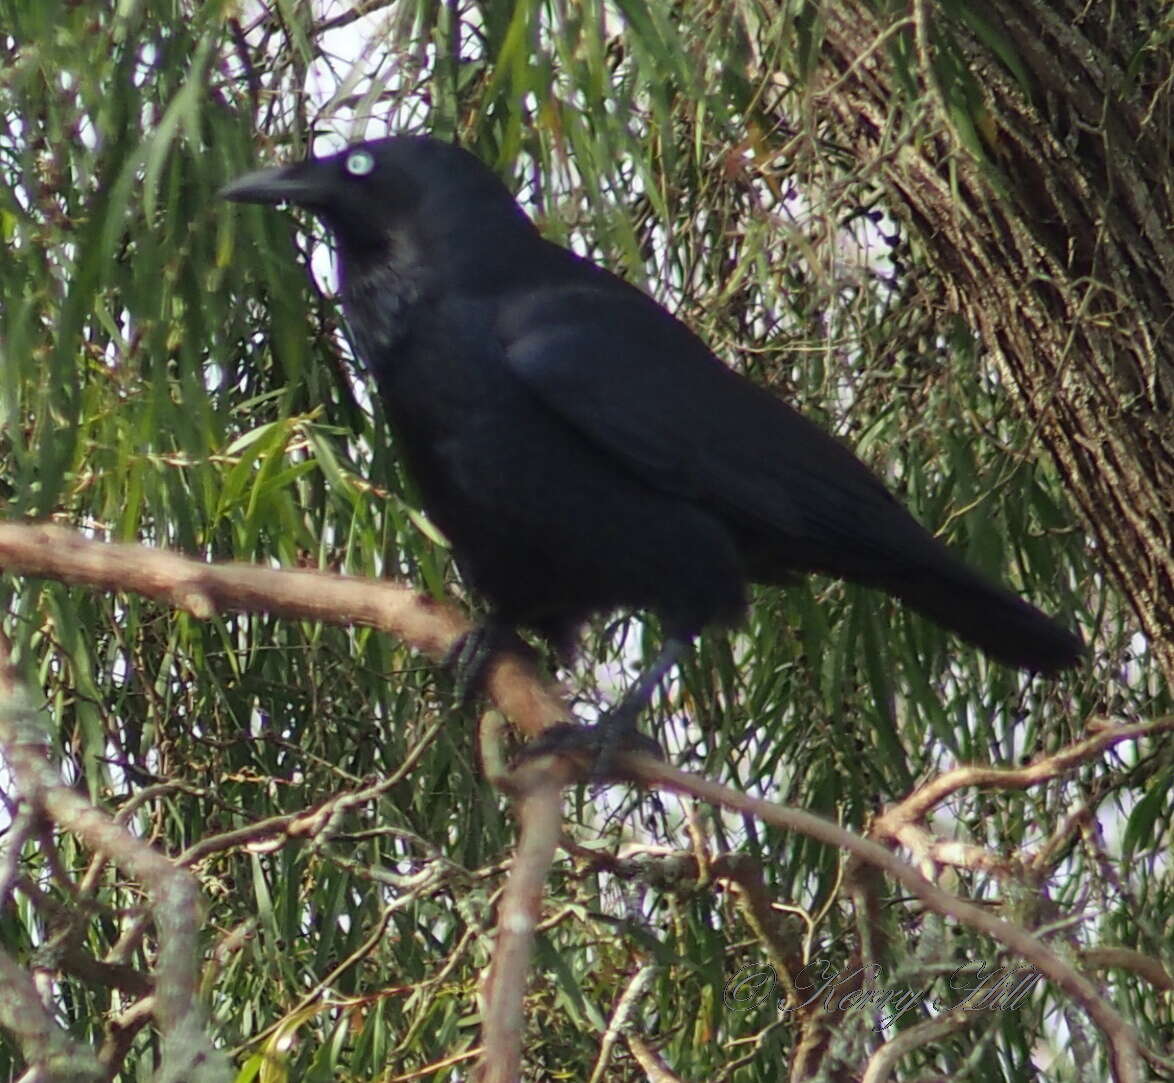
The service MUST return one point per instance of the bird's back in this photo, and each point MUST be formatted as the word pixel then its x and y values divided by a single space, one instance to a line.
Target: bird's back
pixel 583 449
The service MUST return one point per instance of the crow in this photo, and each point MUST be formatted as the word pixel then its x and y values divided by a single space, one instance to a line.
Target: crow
pixel 581 448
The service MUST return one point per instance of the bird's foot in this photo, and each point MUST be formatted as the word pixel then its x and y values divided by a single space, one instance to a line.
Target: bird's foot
pixel 470 656
pixel 615 733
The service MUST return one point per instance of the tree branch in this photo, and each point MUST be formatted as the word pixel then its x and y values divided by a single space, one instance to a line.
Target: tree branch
pixel 187 1053
pixel 205 590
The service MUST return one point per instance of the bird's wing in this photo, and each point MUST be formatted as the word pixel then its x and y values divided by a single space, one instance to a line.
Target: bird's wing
pixel 638 383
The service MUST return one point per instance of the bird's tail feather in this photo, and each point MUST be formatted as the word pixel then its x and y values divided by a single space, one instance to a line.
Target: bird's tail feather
pixel 993 619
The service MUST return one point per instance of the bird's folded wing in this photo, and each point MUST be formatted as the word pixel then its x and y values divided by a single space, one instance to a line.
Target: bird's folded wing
pixel 639 384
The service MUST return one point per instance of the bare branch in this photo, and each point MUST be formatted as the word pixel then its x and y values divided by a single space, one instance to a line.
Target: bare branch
pixel 618 1024
pixel 187 1053
pixel 537 789
pixel 882 1063
pixel 206 590
pixel 1126 959
pixel 1106 734
pixel 1122 1041
pixel 43 1044
pixel 651 1061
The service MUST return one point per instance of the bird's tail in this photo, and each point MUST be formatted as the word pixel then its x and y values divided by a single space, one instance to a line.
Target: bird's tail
pixel 993 619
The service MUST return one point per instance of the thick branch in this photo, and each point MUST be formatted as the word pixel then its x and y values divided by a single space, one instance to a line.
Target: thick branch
pixel 206 590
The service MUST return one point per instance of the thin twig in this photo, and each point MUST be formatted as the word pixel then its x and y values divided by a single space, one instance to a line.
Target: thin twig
pixel 1119 1035
pixel 1107 734
pixel 882 1063
pixel 187 1052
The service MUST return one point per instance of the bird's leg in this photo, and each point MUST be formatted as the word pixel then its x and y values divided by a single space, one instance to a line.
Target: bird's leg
pixel 470 655
pixel 616 731
pixel 617 728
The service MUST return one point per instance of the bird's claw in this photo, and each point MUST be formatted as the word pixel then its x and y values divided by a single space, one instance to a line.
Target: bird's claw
pixel 602 743
pixel 469 657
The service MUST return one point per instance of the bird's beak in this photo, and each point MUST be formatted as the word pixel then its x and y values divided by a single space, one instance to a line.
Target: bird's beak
pixel 300 183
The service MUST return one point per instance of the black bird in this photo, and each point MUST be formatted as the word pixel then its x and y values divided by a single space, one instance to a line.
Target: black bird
pixel 580 447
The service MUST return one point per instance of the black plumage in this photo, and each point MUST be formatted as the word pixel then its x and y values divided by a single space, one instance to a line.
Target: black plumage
pixel 580 447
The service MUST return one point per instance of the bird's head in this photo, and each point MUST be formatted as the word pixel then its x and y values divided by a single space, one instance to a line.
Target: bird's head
pixel 375 193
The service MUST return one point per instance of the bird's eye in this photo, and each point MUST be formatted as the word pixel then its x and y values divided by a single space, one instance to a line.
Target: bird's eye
pixel 359 163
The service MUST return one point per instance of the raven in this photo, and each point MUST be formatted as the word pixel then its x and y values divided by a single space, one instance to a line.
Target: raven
pixel 580 447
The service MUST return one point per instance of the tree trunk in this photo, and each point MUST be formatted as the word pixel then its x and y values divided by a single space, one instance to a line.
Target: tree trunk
pixel 1051 226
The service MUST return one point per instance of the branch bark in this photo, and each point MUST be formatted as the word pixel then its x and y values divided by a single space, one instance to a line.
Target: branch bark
pixel 206 590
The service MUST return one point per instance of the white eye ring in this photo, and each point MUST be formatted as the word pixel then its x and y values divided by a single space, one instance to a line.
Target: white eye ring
pixel 359 163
